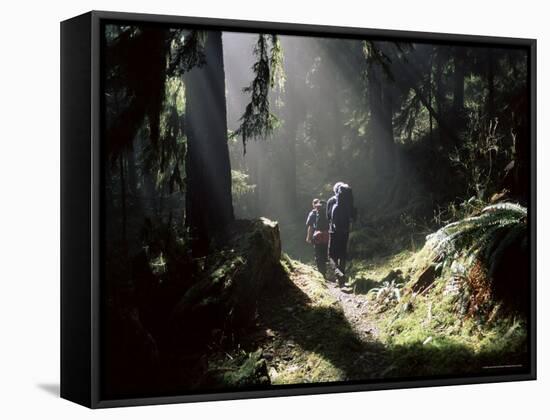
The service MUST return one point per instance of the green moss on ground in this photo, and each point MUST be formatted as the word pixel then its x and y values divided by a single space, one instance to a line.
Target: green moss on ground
pixel 428 332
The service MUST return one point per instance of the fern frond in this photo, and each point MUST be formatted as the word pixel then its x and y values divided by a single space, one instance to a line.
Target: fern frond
pixel 482 235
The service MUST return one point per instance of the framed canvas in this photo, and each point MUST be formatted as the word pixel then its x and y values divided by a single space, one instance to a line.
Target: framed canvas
pixel 255 209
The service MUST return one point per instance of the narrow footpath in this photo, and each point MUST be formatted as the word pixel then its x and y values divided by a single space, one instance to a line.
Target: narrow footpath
pixel 313 331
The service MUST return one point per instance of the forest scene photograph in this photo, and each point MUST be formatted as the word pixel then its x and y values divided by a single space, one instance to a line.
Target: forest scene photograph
pixel 281 210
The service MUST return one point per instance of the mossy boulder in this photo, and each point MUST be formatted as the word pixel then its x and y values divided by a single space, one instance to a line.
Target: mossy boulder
pixel 225 299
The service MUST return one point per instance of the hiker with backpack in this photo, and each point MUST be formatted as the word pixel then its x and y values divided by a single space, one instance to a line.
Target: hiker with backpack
pixel 317 234
pixel 340 213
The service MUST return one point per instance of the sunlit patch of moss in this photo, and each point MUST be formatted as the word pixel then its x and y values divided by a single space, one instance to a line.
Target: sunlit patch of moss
pixel 376 269
pixel 313 283
pixel 426 334
pixel 309 367
pixel 287 264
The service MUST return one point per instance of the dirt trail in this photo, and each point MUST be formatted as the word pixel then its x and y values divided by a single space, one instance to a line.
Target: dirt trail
pixel 314 331
pixel 355 307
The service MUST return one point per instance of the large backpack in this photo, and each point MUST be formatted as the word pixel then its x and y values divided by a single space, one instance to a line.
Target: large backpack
pixel 343 211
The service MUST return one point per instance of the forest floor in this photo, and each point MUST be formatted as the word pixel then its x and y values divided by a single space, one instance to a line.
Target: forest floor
pixel 318 332
pixel 309 330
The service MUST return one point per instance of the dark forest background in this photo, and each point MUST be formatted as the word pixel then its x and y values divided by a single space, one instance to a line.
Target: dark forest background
pixel 205 128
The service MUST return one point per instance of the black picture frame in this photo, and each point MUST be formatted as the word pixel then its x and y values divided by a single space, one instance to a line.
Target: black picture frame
pixel 81 216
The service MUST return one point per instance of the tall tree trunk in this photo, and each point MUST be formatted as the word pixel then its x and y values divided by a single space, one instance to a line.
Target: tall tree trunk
pixel 209 207
pixel 490 84
pixel 458 90
pixel 122 195
pixel 380 125
pixel 430 94
pixel 132 177
pixel 439 98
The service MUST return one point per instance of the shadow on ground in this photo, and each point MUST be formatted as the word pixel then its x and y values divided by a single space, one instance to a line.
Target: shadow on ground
pixel 321 329
pixel 324 329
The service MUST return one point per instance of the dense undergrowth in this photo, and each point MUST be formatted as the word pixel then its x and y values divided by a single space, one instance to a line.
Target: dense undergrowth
pixel 447 308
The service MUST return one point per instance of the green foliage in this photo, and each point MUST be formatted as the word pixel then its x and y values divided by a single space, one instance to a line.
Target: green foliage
pixel 252 371
pixel 166 158
pixel 478 235
pixel 257 120
pixel 455 211
pixel 129 101
pixel 412 121
pixel 187 51
pixel 386 295
pixel 243 193
pixel 240 185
